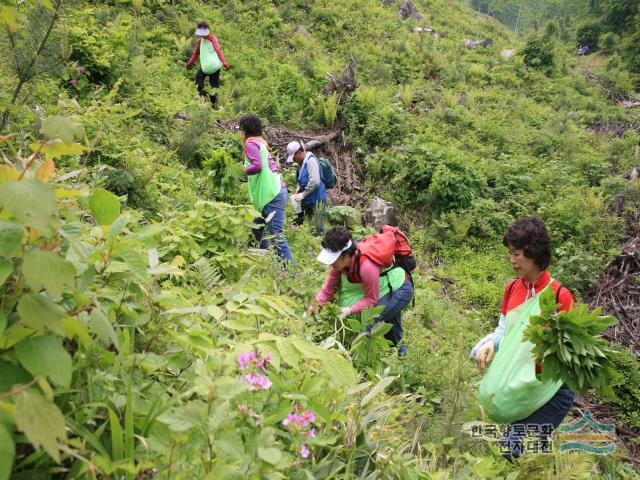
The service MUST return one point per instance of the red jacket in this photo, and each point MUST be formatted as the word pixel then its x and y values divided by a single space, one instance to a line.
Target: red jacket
pixel 216 46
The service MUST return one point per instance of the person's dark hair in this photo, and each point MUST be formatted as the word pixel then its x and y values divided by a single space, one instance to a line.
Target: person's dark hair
pixel 251 125
pixel 336 239
pixel 530 235
pixel 203 24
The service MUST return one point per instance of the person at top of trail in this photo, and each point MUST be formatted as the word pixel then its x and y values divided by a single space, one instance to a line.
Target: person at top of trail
pixel 267 191
pixel 211 61
pixel 511 391
pixel 384 285
pixel 310 193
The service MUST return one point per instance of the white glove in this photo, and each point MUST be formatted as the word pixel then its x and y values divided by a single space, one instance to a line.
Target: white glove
pixel 345 312
pixel 297 197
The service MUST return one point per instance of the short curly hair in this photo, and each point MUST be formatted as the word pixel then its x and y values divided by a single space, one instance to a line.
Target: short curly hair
pixel 250 125
pixel 530 234
pixel 337 238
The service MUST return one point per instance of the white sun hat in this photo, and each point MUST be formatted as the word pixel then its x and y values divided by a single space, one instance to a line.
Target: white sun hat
pixel 328 257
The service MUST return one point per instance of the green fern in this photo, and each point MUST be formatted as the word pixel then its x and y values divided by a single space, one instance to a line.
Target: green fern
pixel 209 274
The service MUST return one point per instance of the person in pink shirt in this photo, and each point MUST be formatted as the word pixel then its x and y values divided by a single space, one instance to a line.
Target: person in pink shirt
pixel 340 252
pixel 211 61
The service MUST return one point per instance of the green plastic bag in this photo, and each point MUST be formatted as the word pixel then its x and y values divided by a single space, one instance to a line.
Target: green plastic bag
pixel 510 390
pixel 209 61
pixel 351 293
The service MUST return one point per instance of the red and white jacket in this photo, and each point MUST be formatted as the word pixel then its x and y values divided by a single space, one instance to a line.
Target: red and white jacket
pixel 516 293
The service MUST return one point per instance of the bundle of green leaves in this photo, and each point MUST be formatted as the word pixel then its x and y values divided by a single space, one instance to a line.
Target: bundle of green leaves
pixel 570 347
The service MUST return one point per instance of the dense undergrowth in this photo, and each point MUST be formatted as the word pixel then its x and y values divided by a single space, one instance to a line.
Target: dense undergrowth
pixel 129 288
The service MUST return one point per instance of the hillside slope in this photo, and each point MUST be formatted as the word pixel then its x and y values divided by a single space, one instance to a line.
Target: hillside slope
pixel 131 296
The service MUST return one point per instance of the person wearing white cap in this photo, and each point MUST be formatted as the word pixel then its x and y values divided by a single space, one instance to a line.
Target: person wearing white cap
pixel 211 61
pixel 311 193
pixel 390 287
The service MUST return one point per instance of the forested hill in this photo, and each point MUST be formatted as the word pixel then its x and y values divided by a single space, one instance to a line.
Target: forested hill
pixel 142 334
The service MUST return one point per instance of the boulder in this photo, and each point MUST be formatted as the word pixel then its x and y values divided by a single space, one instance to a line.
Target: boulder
pixel 380 213
pixel 408 10
pixel 487 42
pixel 507 54
pixel 300 30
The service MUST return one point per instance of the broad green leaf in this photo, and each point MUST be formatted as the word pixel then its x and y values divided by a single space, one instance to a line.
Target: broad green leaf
pixel 339 368
pixel 270 455
pixel 239 325
pixel 215 311
pixel 3 321
pixel 32 203
pixel 231 444
pixel 48 270
pixel 105 206
pixel 39 312
pixel 134 260
pixel 379 388
pixel 61 127
pixel 9 16
pixel 12 375
pixel 45 356
pixel 7 453
pixel 117 227
pixel 8 174
pixel 10 238
pixel 58 148
pixel 6 267
pixel 290 354
pixel 42 422
pixel 101 326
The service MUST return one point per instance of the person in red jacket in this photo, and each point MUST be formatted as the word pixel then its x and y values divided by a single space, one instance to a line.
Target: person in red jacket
pixel 211 61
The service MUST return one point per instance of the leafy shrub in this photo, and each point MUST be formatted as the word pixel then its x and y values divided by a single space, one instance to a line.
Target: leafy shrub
pixel 589 34
pixel 224 174
pixel 372 120
pixel 343 215
pixel 539 53
pixel 454 185
pixel 627 386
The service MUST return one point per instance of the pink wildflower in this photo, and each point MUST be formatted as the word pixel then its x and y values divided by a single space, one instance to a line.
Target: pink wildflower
pixel 307 418
pixel 245 359
pixel 253 359
pixel 299 420
pixel 292 418
pixel 311 433
pixel 73 81
pixel 259 382
pixel 304 451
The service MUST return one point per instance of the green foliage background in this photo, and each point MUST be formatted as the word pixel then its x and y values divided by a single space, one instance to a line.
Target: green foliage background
pixel 128 282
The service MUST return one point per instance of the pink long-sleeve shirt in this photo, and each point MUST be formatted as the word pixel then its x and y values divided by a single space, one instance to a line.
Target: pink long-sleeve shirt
pixel 370 276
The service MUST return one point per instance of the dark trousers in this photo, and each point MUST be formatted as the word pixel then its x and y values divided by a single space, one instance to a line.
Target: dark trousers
pixel 214 80
pixel 309 210
pixel 393 304
pixel 542 422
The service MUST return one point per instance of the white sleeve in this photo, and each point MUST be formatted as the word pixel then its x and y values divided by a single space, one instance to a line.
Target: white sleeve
pixel 496 336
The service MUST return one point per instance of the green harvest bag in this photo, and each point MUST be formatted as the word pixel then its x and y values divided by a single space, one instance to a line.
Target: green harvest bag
pixel 263 186
pixel 510 390
pixel 351 293
pixel 209 61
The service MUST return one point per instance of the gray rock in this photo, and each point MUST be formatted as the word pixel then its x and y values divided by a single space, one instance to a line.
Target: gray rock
pixel 408 10
pixel 300 30
pixel 507 54
pixel 380 213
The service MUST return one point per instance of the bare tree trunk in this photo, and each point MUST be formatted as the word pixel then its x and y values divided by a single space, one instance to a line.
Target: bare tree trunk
pixel 27 74
pixel 518 19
